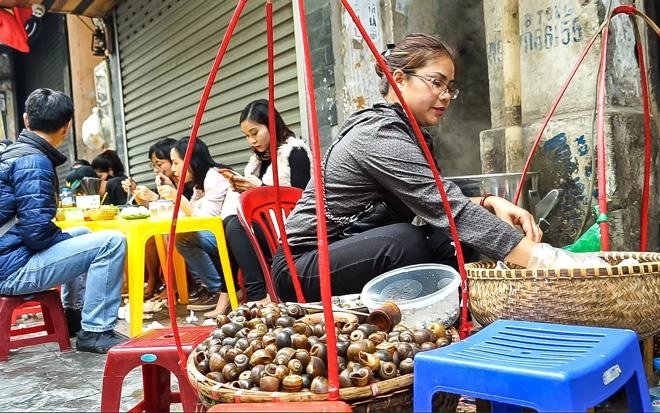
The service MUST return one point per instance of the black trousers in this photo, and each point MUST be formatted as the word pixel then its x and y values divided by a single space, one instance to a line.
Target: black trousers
pixel 242 255
pixel 355 260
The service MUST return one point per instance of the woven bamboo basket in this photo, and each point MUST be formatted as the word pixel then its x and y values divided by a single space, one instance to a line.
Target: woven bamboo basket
pixel 387 395
pixel 621 296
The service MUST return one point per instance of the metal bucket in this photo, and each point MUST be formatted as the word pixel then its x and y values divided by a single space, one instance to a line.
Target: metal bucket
pixel 503 185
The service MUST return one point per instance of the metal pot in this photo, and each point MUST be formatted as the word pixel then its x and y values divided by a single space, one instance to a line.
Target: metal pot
pixel 503 185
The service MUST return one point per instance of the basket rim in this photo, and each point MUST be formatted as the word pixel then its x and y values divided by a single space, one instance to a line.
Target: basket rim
pixel 649 263
pixel 346 394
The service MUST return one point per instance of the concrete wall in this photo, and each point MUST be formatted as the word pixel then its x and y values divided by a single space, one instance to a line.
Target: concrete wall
pixel 552 34
pixel 82 63
pixel 457 137
pixel 7 87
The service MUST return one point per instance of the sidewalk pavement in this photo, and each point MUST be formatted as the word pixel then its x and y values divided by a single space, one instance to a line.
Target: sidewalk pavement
pixel 41 378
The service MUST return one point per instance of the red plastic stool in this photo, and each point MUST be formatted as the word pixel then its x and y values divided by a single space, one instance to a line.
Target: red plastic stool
pixel 315 406
pixel 54 324
pixel 156 352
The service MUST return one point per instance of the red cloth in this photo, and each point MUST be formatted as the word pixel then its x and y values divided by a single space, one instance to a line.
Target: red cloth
pixel 12 28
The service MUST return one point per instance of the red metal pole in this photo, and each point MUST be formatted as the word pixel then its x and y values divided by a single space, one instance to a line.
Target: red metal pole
pixel 600 143
pixel 186 162
pixel 465 325
pixel 321 228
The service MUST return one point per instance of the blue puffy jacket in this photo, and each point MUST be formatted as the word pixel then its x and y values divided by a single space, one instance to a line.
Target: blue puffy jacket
pixel 28 190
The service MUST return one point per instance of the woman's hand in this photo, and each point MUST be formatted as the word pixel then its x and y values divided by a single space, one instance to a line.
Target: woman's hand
pixel 243 183
pixel 514 216
pixel 162 179
pixel 129 185
pixel 142 193
pixel 166 192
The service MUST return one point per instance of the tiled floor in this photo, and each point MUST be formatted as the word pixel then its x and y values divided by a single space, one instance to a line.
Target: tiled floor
pixel 41 378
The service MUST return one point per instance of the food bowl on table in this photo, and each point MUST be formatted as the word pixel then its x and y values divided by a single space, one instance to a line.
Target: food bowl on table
pixel 134 212
pixel 103 213
pixel 425 293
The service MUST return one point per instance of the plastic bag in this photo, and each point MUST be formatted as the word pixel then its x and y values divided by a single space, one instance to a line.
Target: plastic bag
pixel 546 256
pixel 590 240
pixel 92 131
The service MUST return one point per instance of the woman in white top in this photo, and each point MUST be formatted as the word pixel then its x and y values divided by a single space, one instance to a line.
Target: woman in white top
pixel 200 249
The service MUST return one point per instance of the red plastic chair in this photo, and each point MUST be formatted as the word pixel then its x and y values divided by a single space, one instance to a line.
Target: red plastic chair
pixel 257 207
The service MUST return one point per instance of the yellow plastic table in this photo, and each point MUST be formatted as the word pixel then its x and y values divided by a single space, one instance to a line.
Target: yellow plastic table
pixel 137 232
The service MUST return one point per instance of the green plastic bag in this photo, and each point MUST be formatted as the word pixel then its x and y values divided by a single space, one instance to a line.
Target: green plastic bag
pixel 590 240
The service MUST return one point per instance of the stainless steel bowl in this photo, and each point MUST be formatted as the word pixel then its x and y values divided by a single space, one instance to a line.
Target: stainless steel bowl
pixel 503 185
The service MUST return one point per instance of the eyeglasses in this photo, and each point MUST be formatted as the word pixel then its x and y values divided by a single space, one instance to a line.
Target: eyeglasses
pixel 438 85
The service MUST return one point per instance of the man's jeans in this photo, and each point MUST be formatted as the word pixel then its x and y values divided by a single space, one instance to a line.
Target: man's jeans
pixel 200 250
pixel 99 254
pixel 73 291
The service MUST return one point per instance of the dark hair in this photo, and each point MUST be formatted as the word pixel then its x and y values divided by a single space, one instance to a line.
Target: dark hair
pixel 162 148
pixel 200 160
pixel 106 160
pixel 48 110
pixel 80 162
pixel 412 52
pixel 257 111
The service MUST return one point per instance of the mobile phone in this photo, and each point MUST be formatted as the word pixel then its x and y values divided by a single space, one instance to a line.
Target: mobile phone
pixel 228 173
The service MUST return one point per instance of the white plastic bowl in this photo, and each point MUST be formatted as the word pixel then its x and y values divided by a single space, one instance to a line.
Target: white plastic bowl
pixel 425 293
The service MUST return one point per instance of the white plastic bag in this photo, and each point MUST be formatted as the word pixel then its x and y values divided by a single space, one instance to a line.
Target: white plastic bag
pixel 93 134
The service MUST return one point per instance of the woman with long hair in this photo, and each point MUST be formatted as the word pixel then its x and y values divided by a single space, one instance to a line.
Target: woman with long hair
pixel 294 169
pixel 200 249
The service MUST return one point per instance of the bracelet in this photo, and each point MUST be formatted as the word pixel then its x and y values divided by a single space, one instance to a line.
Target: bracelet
pixel 483 198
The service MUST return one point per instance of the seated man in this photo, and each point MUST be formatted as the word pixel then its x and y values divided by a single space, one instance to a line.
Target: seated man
pixel 35 254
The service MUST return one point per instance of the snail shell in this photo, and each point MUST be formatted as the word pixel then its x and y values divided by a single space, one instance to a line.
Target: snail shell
pixel 278 371
pixel 405 350
pixel 302 328
pixel 295 310
pixel 423 335
pixel 384 355
pixel 292 383
pixel 231 354
pixel 378 337
pixel 283 339
pixel 358 335
pixel 271 349
pixel 269 383
pixel 307 381
pixel 360 377
pixel 230 372
pixel 319 350
pixel 242 344
pixel 386 371
pixel 300 341
pixel 341 363
pixel 257 372
pixel 268 338
pixel 318 329
pixel 316 367
pixel 221 320
pixel 245 375
pixel 230 329
pixel 369 361
pixel 216 362
pixel 438 329
pixel 345 379
pixel 202 363
pixel 442 341
pixel 285 321
pixel 261 357
pixel 319 385
pixel 406 366
pixel 295 366
pixel 284 355
pixel 303 356
pixel 367 328
pixel 242 362
pixel 406 337
pixel 342 348
pixel 216 376
pixel 428 345
pixel 229 341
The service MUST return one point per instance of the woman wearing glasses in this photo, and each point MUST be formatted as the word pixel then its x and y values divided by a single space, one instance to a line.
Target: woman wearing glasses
pixel 376 157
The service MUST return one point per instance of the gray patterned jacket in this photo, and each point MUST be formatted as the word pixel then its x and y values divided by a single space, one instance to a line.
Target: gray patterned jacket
pixel 378 153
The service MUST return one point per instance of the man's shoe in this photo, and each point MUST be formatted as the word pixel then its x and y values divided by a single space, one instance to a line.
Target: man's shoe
pixel 73 318
pixel 206 302
pixel 100 343
pixel 197 292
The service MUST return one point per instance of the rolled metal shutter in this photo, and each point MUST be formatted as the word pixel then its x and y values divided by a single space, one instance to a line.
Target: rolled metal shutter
pixel 166 50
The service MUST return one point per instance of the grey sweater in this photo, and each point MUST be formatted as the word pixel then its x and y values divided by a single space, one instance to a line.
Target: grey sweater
pixel 378 153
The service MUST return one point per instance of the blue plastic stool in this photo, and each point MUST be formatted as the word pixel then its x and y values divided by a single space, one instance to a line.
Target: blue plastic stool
pixel 547 367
